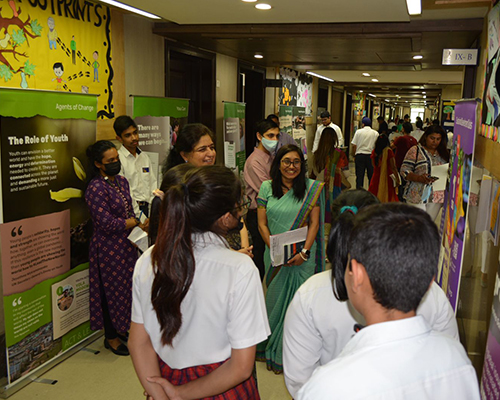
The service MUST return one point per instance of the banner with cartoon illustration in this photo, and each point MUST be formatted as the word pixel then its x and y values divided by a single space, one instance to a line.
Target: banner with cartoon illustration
pixel 448 115
pixel 45 228
pixel 234 136
pixel 456 201
pixel 54 45
pixel 159 121
pixel 296 90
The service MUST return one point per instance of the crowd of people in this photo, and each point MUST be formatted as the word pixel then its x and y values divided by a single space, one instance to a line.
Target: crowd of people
pixel 208 299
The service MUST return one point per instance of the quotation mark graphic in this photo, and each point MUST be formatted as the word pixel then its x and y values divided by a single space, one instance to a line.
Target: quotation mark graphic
pixel 19 231
pixel 17 302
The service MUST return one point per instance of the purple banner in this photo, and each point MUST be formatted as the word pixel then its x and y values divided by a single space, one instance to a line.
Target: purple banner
pixel 457 200
pixel 490 382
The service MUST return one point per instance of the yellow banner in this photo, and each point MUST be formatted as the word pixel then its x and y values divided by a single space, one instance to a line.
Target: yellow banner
pixel 57 45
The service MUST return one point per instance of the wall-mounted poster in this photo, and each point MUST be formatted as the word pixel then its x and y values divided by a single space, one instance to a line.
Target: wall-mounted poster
pixel 296 89
pixel 58 45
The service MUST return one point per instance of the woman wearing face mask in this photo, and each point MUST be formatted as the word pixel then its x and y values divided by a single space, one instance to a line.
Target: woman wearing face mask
pixel 112 256
pixel 257 170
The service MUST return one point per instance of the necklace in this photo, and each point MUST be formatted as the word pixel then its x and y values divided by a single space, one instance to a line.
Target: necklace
pixel 117 187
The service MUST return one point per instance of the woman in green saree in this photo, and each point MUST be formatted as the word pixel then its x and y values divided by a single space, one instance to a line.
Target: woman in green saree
pixel 287 202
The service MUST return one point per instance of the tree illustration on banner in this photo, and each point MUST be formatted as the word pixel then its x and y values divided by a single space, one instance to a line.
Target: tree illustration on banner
pixel 26 30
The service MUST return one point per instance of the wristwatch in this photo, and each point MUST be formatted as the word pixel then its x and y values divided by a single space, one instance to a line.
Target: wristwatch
pixel 306 253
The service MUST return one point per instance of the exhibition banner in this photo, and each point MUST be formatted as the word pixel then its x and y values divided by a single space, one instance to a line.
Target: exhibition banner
pixel 159 120
pixel 457 200
pixel 58 45
pixel 293 123
pixel 46 227
pixel 234 136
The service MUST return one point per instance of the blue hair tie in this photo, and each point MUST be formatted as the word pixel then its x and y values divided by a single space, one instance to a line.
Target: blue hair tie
pixel 352 209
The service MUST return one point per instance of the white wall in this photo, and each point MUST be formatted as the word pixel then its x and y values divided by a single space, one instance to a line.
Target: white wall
pixel 144 59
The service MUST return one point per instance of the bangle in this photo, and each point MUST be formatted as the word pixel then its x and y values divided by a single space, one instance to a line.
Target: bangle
pixel 302 256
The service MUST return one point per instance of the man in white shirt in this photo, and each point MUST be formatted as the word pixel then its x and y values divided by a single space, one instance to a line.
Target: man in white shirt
pixel 136 166
pixel 417 133
pixel 363 144
pixel 394 251
pixel 326 120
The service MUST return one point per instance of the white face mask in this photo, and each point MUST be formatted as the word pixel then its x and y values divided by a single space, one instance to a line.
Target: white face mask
pixel 269 145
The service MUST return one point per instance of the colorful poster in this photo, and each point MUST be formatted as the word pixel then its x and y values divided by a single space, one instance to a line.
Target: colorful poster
pixel 299 123
pixel 490 381
pixel 159 120
pixel 457 200
pixel 448 115
pixel 234 135
pixel 286 119
pixel 46 227
pixel 64 46
pixel 296 90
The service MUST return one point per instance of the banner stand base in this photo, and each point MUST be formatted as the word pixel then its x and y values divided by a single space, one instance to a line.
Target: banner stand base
pixel 34 376
pixel 44 381
pixel 90 350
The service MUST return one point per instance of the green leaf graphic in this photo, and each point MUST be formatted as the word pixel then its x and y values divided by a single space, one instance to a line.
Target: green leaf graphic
pixel 29 69
pixel 36 27
pixel 5 73
pixel 18 37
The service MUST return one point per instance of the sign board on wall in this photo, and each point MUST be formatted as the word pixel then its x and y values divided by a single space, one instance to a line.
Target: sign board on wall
pixel 460 56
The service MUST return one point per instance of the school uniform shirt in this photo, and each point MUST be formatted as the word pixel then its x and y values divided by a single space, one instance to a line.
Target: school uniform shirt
pixel 364 139
pixel 224 308
pixel 140 175
pixel 319 131
pixel 396 360
pixel 318 326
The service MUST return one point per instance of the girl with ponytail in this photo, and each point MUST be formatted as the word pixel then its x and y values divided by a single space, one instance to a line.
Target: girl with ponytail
pixel 198 309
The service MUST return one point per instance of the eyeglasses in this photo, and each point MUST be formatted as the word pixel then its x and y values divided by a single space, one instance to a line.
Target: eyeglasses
pixel 287 162
pixel 244 205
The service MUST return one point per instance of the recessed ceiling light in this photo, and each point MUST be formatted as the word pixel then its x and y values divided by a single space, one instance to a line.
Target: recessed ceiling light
pixel 407 101
pixel 414 7
pixel 366 74
pixel 418 57
pixel 374 80
pixel 425 96
pixel 131 9
pixel 360 91
pixel 369 94
pixel 258 55
pixel 263 6
pixel 320 76
pixel 423 92
pixel 249 1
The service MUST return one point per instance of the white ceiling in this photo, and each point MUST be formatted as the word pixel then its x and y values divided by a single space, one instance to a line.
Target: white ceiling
pixel 283 11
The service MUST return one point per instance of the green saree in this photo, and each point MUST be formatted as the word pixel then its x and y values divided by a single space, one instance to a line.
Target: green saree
pixel 283 215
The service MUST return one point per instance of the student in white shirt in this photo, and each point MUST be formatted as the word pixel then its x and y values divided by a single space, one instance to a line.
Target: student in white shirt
pixel 363 144
pixel 318 326
pixel 198 308
pixel 393 256
pixel 326 121
pixel 136 166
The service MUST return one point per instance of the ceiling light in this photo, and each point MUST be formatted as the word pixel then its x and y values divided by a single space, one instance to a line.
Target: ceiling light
pixel 418 57
pixel 320 76
pixel 258 55
pixel 249 1
pixel 414 7
pixel 131 9
pixel 360 91
pixel 398 96
pixel 374 80
pixel 424 96
pixel 406 101
pixel 369 94
pixel 263 6
pixel 423 92
pixel 366 74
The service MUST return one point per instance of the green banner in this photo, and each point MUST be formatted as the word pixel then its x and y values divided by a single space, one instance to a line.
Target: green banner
pixel 19 103
pixel 160 107
pixel 234 136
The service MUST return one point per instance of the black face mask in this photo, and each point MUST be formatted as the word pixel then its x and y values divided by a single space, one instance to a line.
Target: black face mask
pixel 113 168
